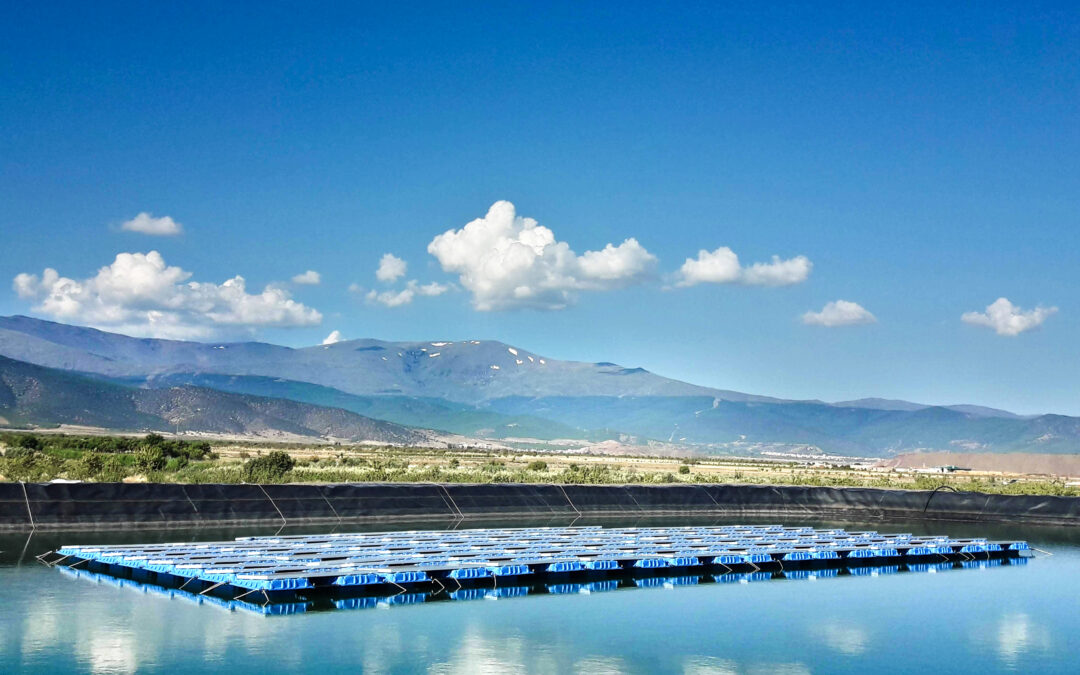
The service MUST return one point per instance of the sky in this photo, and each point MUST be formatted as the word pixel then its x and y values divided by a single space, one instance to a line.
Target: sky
pixel 812 200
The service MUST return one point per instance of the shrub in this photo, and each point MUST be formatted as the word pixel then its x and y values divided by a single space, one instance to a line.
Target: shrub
pixel 684 469
pixel 88 466
pixel 538 465
pixel 176 463
pixel 269 468
pixel 150 459
pixel 27 442
pixel 15 452
pixel 31 466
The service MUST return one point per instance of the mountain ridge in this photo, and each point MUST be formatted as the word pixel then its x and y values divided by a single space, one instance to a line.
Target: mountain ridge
pixel 37 395
pixel 490 389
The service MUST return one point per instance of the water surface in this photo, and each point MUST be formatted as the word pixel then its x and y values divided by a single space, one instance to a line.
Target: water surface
pixel 1015 618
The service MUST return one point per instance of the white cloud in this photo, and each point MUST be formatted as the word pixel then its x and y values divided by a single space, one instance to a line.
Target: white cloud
pixel 722 266
pixel 717 267
pixel 778 272
pixel 507 261
pixel 333 338
pixel 139 294
pixel 1008 319
pixel 406 295
pixel 391 298
pixel 839 313
pixel 391 268
pixel 148 224
pixel 431 290
pixel 628 260
pixel 309 278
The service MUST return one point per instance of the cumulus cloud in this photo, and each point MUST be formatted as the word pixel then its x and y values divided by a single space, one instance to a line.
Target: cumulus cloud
pixel 333 338
pixel 148 224
pixel 309 278
pixel 507 261
pixel 717 267
pixel 391 268
pixel 839 313
pixel 1008 319
pixel 139 294
pixel 778 272
pixel 722 266
pixel 406 295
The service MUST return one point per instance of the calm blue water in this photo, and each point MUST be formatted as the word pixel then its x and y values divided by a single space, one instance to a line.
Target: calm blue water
pixel 1004 619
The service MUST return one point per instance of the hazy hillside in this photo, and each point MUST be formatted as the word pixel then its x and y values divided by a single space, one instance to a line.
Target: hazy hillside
pixel 31 394
pixel 857 431
pixel 414 411
pixel 490 389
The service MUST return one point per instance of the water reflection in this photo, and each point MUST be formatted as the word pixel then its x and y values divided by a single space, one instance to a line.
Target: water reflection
pixel 845 637
pixel 1018 634
pixel 699 665
pixel 480 654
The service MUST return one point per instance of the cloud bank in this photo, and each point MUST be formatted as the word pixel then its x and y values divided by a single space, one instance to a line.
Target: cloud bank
pixel 148 224
pixel 507 262
pixel 722 266
pixel 839 313
pixel 139 294
pixel 1008 319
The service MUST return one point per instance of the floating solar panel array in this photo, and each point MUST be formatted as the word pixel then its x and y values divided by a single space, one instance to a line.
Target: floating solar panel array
pixel 463 560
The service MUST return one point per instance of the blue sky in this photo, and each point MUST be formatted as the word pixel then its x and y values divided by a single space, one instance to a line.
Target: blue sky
pixel 923 159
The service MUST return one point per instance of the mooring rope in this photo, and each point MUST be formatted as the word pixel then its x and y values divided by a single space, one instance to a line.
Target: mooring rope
pixel 452 502
pixel 220 583
pixel 569 501
pixel 284 521
pixel 336 514
pixel 935 491
pixel 188 497
pixel 28 511
pixel 707 494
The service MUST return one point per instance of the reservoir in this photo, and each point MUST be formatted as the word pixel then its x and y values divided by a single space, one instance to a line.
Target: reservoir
pixel 992 619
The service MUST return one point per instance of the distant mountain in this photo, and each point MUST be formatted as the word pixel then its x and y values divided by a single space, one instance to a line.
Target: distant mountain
pixel 432 413
pixel 848 430
pixel 31 394
pixel 467 372
pixel 490 389
pixel 892 404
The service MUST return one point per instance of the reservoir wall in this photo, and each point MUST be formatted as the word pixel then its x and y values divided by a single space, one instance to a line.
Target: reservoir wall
pixel 26 506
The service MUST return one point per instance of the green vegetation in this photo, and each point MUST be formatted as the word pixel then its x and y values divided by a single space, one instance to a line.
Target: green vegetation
pixel 39 457
pixel 273 468
pixel 153 458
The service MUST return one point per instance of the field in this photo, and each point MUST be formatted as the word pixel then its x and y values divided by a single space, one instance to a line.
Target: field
pixel 154 458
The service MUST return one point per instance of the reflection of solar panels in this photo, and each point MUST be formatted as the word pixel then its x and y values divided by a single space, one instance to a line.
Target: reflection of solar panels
pixel 486 563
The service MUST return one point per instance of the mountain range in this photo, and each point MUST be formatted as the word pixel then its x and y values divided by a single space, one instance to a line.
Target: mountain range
pixel 477 388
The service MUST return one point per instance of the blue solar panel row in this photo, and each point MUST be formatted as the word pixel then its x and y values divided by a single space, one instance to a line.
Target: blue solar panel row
pixel 299 562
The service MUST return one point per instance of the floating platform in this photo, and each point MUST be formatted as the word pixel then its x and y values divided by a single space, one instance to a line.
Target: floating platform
pixel 416 564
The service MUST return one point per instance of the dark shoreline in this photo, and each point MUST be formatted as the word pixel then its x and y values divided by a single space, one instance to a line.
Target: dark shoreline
pixel 89 506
